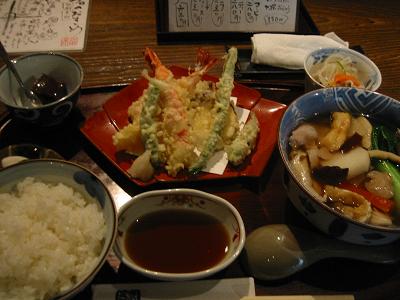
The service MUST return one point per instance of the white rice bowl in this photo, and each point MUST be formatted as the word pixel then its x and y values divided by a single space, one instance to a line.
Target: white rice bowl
pixel 51 237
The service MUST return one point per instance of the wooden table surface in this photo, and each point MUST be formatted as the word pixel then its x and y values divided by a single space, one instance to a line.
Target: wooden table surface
pixel 120 29
pixel 117 34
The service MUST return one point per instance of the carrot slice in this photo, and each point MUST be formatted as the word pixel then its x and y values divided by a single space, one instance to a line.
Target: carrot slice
pixel 383 204
pixel 342 78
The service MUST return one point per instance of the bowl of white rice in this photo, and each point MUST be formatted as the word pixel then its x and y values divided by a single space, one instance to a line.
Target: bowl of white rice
pixel 58 223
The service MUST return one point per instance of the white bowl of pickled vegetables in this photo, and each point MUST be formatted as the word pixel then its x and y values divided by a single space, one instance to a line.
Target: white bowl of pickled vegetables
pixel 340 147
pixel 334 67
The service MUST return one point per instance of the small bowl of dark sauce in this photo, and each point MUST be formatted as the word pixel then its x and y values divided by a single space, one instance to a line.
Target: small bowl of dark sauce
pixel 55 79
pixel 178 234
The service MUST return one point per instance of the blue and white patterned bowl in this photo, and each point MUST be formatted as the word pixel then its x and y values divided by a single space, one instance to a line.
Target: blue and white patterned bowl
pixel 371 79
pixel 55 171
pixel 60 67
pixel 322 102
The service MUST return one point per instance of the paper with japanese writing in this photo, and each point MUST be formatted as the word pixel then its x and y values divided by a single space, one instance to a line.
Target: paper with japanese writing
pixel 232 15
pixel 43 25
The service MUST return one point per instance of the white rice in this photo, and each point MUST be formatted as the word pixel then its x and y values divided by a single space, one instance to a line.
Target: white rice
pixel 50 238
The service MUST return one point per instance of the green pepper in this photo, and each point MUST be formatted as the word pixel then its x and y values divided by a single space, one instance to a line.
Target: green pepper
pixel 224 90
pixel 148 126
pixel 385 139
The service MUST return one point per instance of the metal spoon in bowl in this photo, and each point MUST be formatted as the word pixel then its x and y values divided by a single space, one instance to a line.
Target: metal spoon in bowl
pixel 277 251
pixel 31 96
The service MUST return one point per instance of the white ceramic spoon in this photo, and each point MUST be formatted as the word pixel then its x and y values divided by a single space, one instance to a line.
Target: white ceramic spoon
pixel 276 251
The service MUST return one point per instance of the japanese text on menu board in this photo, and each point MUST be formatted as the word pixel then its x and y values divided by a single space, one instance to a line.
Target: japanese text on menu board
pixel 232 15
pixel 43 25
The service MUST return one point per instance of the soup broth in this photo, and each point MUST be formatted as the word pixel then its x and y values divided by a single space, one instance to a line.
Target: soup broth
pixel 177 241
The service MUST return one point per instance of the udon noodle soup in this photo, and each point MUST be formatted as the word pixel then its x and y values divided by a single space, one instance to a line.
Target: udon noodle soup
pixel 352 163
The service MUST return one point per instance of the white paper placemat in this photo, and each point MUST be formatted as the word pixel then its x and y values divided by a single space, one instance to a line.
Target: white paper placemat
pixel 224 289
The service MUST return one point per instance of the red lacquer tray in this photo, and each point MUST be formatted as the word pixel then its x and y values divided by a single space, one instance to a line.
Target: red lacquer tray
pixel 100 127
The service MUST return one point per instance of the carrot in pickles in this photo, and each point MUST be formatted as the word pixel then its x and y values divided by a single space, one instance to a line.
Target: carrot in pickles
pixel 343 79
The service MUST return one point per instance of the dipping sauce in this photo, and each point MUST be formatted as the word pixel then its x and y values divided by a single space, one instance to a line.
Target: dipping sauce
pixel 177 241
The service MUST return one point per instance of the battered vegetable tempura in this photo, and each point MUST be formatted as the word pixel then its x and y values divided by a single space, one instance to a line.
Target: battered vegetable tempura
pixel 177 118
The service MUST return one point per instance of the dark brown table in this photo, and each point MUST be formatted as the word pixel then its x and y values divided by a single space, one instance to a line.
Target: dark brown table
pixel 117 34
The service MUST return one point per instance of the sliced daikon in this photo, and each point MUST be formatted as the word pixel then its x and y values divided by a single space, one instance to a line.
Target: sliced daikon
pixel 356 160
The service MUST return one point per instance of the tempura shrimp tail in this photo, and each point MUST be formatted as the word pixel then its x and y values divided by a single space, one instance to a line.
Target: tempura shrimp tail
pixel 224 90
pixel 204 61
pixel 160 71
